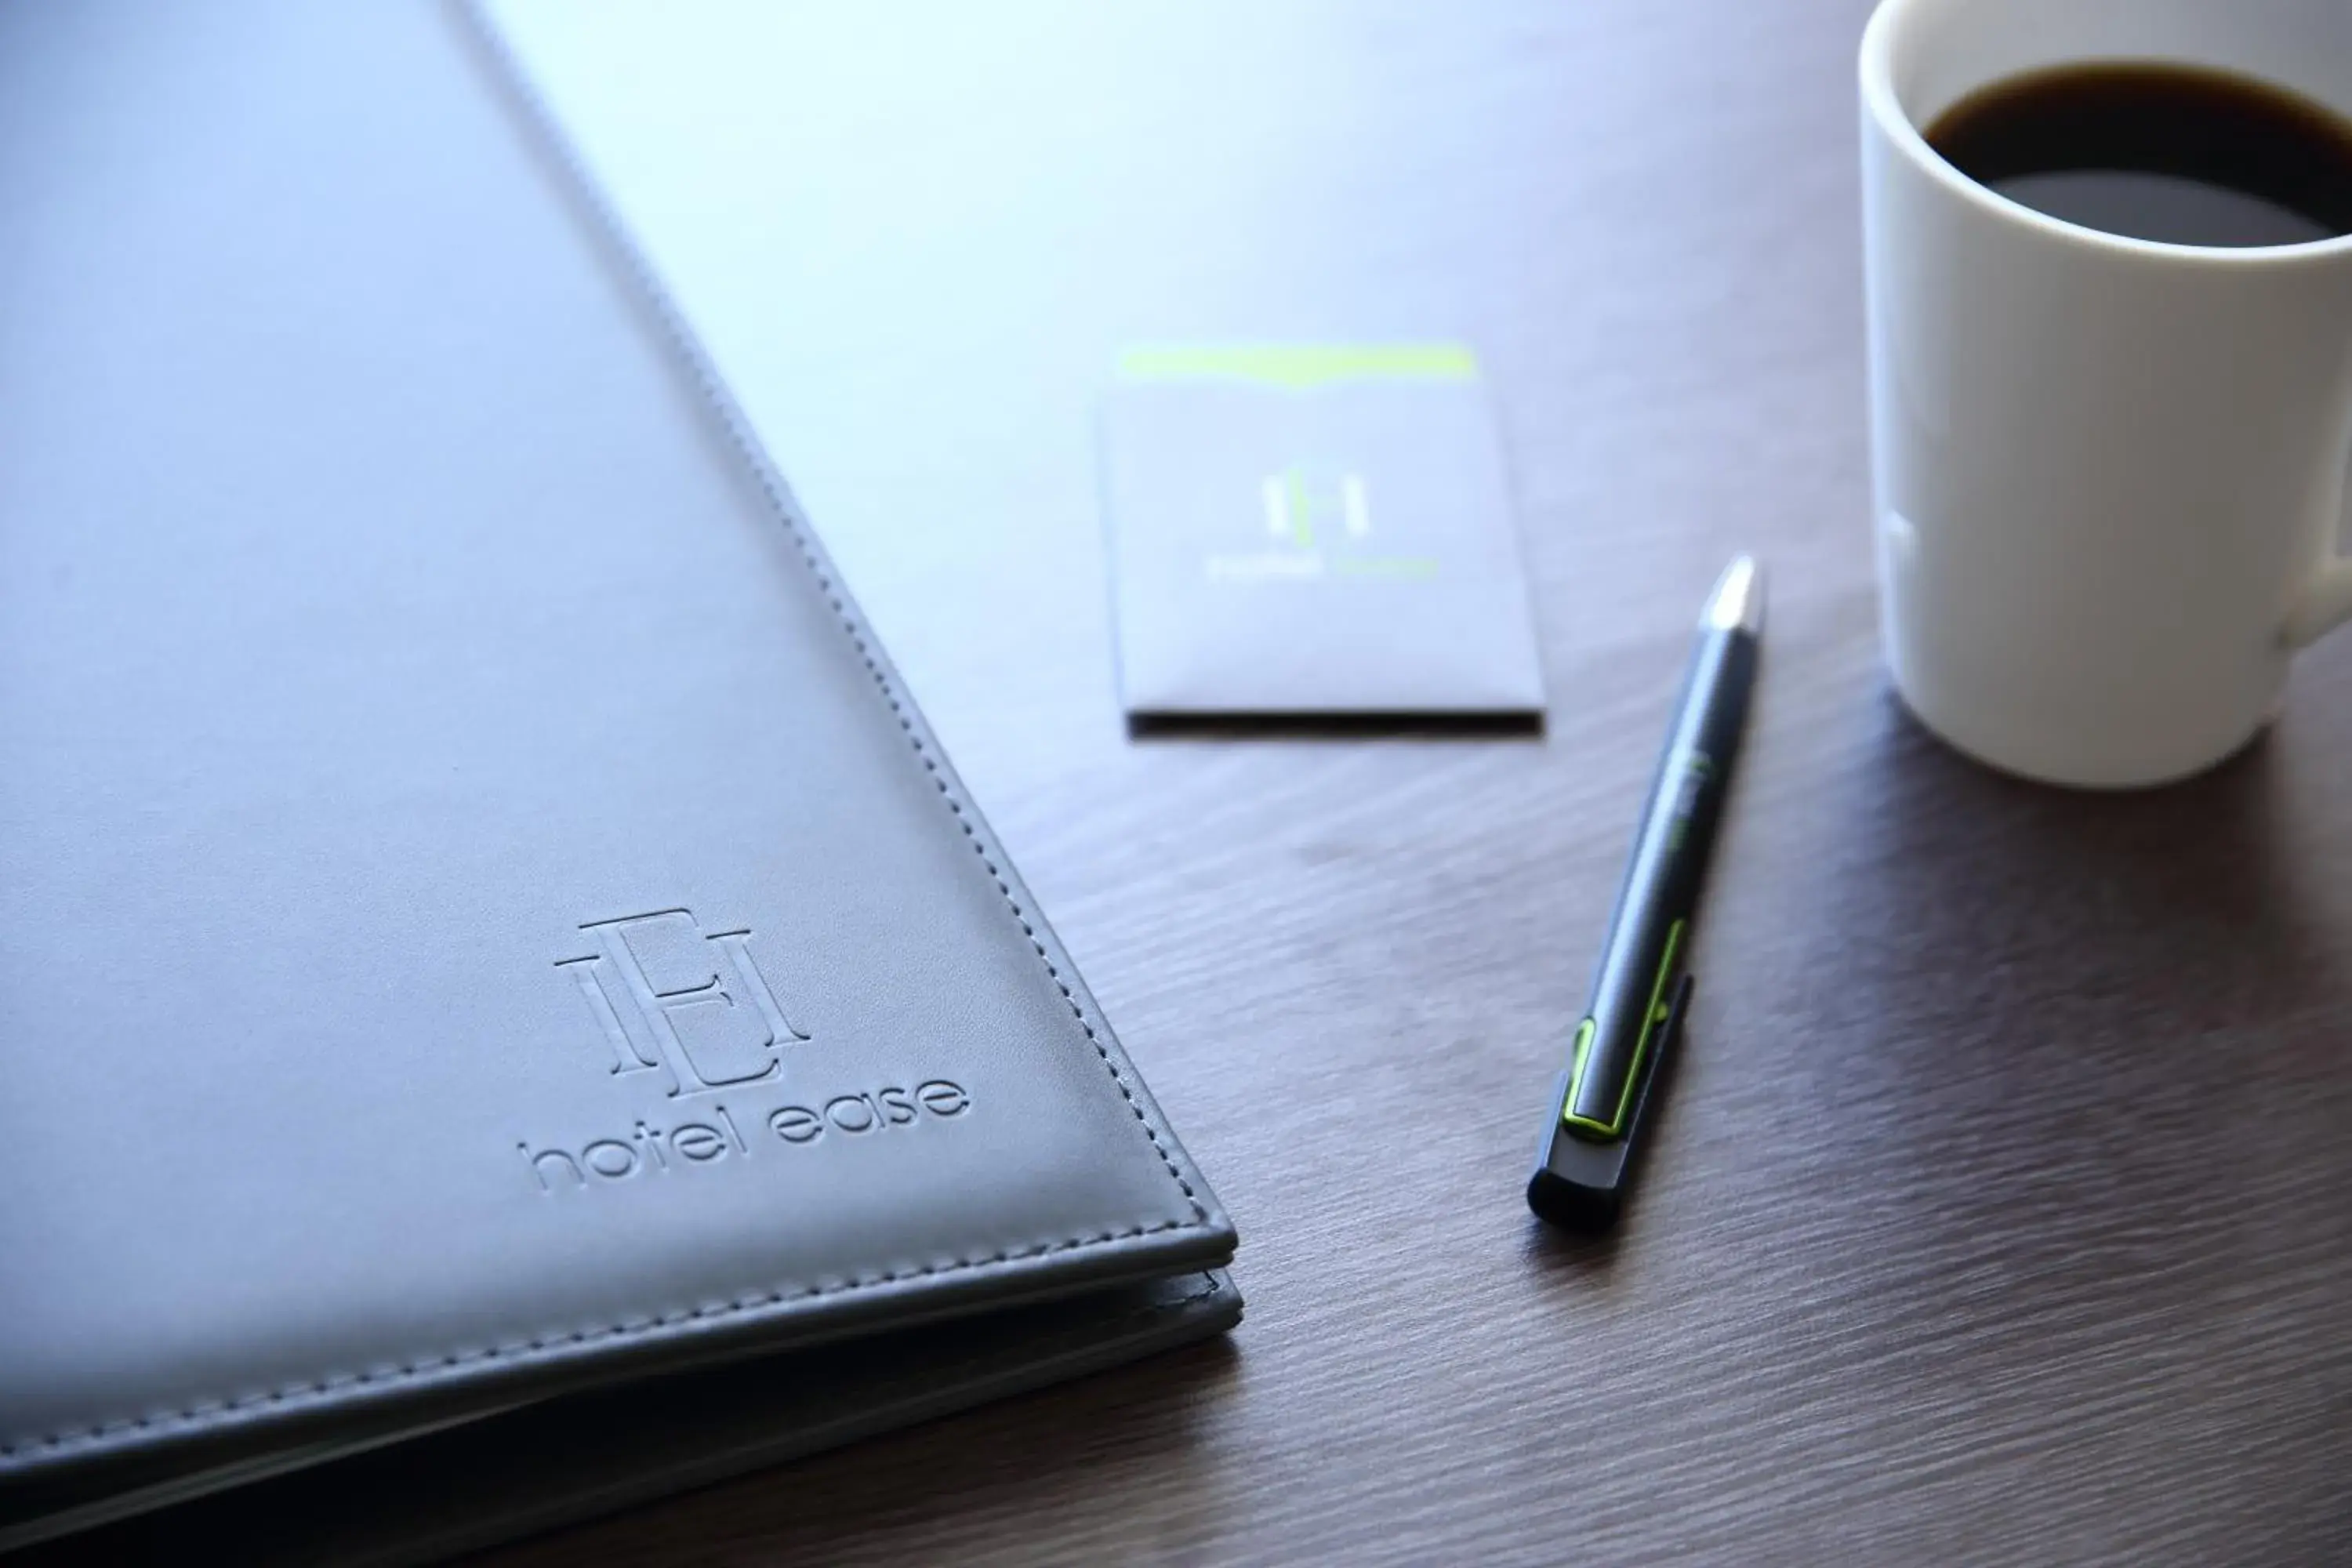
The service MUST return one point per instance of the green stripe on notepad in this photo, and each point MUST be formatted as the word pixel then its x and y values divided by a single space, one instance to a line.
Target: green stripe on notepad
pixel 1300 365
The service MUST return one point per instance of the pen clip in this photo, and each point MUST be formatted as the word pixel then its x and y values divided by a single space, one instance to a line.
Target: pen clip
pixel 1660 1022
pixel 1581 1183
pixel 1666 1034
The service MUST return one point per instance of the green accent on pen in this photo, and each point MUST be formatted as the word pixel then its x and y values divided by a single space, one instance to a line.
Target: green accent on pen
pixel 1575 1073
pixel 1651 1019
pixel 1299 367
pixel 1302 531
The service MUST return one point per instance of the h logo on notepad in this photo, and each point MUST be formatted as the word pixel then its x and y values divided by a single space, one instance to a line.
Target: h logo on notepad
pixel 703 1014
pixel 1294 501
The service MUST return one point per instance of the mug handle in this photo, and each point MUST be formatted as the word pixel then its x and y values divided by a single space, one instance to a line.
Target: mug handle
pixel 2325 600
pixel 2325 603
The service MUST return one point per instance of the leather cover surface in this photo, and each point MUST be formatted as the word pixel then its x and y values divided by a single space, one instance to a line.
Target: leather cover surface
pixel 479 916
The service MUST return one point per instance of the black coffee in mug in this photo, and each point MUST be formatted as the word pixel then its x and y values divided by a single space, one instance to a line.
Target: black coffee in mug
pixel 2182 153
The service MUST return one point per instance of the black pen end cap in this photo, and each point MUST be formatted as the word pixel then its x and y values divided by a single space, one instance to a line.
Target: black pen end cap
pixel 1572 1204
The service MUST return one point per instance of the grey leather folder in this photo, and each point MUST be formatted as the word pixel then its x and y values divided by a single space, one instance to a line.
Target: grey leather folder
pixel 487 940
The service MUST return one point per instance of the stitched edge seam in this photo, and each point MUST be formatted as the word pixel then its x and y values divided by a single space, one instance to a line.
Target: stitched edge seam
pixel 1090 1332
pixel 435 1368
pixel 212 1412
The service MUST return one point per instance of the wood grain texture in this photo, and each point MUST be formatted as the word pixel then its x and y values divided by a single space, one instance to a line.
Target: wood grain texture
pixel 2002 1210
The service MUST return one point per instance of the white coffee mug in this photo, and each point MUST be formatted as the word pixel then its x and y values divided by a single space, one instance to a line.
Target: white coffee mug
pixel 2109 473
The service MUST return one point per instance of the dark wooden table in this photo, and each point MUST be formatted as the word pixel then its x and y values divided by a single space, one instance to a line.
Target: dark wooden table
pixel 2003 1208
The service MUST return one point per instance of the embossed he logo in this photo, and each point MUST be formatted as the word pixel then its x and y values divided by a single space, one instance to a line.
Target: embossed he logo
pixel 702 1013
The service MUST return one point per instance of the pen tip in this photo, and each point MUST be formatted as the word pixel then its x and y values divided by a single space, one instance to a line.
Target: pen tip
pixel 1737 602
